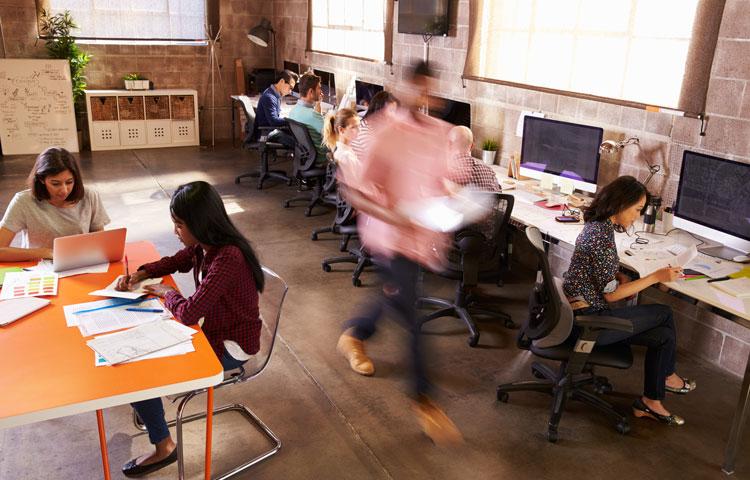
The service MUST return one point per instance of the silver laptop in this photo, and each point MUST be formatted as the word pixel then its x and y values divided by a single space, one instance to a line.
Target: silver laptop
pixel 85 250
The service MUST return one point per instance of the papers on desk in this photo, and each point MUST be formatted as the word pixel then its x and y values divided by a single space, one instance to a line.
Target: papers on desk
pixel 737 287
pixel 28 284
pixel 46 266
pixel 16 308
pixel 136 290
pixel 138 341
pixel 179 349
pixel 448 213
pixel 646 262
pixel 108 315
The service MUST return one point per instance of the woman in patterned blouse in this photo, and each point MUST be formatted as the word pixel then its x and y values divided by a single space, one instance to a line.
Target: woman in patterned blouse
pixel 593 281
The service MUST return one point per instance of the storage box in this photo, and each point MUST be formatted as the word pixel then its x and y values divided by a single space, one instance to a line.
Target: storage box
pixel 103 109
pixel 131 108
pixel 157 107
pixel 158 131
pixel 105 134
pixel 183 131
pixel 132 132
pixel 182 107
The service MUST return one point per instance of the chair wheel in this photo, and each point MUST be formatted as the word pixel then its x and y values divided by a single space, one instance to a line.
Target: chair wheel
pixel 286 204
pixel 259 187
pixel 552 436
pixel 603 388
pixel 237 181
pixel 313 237
pixel 502 396
pixel 623 427
pixel 356 282
pixel 307 213
pixel 326 267
pixel 510 324
pixel 473 340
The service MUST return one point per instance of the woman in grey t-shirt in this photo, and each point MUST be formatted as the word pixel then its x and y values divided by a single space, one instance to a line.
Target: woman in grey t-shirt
pixel 55 205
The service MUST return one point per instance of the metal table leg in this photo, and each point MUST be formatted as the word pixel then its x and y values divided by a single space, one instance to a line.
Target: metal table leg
pixel 738 424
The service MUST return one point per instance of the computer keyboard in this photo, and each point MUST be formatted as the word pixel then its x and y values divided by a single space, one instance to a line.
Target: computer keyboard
pixel 527 197
pixel 676 248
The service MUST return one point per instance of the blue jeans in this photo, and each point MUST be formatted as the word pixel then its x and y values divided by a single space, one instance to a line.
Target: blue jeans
pixel 283 138
pixel 401 275
pixel 152 411
pixel 653 327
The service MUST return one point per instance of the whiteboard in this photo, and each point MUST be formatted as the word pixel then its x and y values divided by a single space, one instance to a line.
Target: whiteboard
pixel 36 106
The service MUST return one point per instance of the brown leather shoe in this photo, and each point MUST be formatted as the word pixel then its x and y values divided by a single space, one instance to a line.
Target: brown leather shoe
pixel 436 423
pixel 353 349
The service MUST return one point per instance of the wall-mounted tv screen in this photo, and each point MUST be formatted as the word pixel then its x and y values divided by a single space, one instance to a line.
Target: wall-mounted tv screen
pixel 426 17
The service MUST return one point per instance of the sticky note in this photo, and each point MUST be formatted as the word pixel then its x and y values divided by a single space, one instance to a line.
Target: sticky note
pixel 546 181
pixel 567 186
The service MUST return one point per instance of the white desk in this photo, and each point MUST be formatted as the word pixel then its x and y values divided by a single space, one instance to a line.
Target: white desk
pixel 544 219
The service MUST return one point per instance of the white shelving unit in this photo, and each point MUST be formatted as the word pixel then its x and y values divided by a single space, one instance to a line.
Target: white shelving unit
pixel 121 119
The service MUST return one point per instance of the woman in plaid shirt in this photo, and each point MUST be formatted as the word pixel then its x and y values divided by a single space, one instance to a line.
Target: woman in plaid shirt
pixel 228 278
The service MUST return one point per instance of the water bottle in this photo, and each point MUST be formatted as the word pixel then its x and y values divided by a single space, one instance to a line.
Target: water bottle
pixel 652 209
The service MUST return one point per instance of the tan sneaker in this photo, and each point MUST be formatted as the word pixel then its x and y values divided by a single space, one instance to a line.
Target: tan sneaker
pixel 436 424
pixel 353 349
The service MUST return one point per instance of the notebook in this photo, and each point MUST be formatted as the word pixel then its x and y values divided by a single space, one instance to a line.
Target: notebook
pixel 16 308
pixel 738 287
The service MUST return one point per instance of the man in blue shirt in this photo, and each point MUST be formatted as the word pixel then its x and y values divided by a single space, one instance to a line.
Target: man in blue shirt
pixel 268 112
pixel 307 111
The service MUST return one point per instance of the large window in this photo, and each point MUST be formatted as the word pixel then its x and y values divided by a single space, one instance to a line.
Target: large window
pixel 630 50
pixel 355 28
pixel 121 21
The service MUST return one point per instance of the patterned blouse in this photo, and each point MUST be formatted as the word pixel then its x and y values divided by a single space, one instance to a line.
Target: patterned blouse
pixel 593 265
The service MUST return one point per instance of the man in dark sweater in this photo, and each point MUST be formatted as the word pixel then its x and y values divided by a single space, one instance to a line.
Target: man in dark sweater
pixel 268 112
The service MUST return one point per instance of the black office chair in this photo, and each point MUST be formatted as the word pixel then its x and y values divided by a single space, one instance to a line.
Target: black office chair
pixel 306 171
pixel 263 146
pixel 478 255
pixel 343 223
pixel 547 333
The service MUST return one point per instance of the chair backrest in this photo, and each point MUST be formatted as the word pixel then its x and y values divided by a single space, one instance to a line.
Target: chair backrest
pixel 249 112
pixel 269 304
pixel 304 150
pixel 545 302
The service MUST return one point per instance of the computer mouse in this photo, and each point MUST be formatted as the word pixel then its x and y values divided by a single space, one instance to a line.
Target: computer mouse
pixel 741 259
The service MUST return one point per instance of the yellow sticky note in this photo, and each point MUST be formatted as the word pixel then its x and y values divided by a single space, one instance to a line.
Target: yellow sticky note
pixel 546 181
pixel 567 185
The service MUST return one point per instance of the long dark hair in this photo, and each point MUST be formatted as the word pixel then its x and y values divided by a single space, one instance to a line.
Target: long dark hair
pixel 380 100
pixel 620 194
pixel 199 205
pixel 53 161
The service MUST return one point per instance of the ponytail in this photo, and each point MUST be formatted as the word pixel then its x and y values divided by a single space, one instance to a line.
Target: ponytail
pixel 330 135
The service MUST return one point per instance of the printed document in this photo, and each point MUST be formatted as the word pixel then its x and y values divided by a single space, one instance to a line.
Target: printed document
pixel 138 341
pixel 136 290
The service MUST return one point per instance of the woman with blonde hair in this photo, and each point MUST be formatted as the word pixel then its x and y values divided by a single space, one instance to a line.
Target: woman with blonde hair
pixel 339 131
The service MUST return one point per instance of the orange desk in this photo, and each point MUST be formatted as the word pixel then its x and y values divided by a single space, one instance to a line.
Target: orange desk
pixel 50 371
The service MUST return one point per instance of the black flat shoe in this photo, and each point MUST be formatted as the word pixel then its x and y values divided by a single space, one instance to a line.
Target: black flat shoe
pixel 131 469
pixel 641 410
pixel 687 387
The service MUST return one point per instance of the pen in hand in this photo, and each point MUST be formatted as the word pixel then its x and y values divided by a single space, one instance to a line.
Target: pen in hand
pixel 127 269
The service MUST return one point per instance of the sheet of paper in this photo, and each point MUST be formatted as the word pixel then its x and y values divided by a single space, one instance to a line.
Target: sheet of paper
pixel 136 290
pixel 737 287
pixel 28 284
pixel 71 318
pixel 179 349
pixel 3 271
pixel 547 181
pixel 567 185
pixel 16 308
pixel 138 341
pixel 110 319
pixel 646 264
pixel 46 266
pixel 708 266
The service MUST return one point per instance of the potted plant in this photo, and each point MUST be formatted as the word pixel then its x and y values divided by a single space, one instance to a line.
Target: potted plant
pixel 489 150
pixel 56 30
pixel 135 82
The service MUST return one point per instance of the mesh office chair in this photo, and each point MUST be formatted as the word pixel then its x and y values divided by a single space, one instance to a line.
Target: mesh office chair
pixel 343 223
pixel 477 256
pixel 547 333
pixel 306 171
pixel 269 304
pixel 263 146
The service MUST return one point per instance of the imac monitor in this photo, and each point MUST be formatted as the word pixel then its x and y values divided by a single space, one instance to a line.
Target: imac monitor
pixel 425 17
pixel 293 67
pixel 713 200
pixel 562 149
pixel 365 91
pixel 457 113
pixel 328 85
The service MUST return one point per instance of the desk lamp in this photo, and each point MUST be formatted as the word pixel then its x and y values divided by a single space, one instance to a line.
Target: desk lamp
pixel 260 34
pixel 610 146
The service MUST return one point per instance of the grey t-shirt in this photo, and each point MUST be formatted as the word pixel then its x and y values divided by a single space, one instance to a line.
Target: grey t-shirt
pixel 39 222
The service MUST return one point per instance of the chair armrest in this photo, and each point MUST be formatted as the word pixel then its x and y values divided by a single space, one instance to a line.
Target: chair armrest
pixel 609 323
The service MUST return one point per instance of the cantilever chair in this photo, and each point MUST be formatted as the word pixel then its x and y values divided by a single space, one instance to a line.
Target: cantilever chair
pixel 306 171
pixel 477 256
pixel 263 146
pixel 547 333
pixel 270 303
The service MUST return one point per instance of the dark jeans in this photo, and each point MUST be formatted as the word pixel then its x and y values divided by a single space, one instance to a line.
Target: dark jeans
pixel 400 275
pixel 653 327
pixel 283 138
pixel 152 411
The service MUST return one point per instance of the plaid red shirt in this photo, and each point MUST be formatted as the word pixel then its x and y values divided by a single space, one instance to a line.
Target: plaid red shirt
pixel 465 170
pixel 225 297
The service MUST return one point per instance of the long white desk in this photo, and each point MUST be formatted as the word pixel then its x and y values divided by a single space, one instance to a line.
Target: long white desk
pixel 528 214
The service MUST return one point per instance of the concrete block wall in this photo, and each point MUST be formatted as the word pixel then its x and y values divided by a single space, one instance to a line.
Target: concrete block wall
pixel 495 112
pixel 167 66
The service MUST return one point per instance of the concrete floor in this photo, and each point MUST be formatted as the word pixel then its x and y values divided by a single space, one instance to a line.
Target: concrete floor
pixel 334 423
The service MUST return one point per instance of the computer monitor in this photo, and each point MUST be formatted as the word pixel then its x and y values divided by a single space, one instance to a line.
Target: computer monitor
pixel 328 85
pixel 365 91
pixel 713 200
pixel 293 67
pixel 562 149
pixel 452 111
